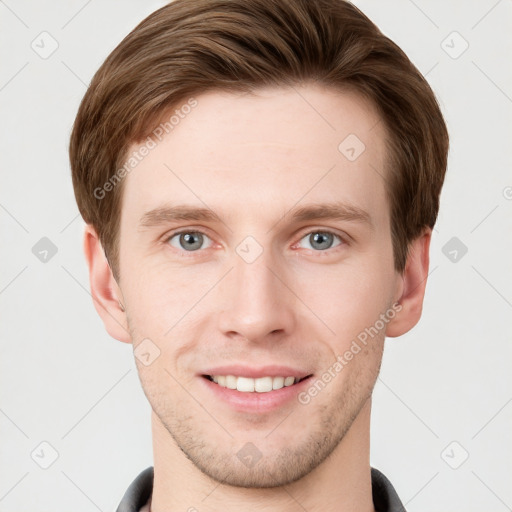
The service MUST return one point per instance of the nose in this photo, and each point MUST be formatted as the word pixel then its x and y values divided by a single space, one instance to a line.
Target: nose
pixel 257 302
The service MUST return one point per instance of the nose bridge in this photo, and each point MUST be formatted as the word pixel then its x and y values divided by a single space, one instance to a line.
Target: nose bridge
pixel 255 283
pixel 255 300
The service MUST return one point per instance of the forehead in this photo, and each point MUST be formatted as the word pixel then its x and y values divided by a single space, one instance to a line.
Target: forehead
pixel 277 146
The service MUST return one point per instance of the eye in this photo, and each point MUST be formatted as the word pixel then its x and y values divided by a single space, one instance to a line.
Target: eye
pixel 188 240
pixel 321 240
pixel 192 241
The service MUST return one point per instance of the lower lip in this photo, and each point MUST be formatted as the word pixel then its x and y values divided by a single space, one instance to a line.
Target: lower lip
pixel 256 402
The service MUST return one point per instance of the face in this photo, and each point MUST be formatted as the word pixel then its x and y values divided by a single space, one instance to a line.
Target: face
pixel 267 285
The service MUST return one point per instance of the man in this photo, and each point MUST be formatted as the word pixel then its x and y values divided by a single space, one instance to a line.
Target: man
pixel 259 180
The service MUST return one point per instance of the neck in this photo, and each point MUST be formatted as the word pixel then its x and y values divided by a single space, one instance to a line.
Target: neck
pixel 342 482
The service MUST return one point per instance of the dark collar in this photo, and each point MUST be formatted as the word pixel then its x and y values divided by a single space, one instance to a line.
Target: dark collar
pixel 385 498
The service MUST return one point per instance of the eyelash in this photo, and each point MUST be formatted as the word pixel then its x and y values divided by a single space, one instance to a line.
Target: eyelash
pixel 186 254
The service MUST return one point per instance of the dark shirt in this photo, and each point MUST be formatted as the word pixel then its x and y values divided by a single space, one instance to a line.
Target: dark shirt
pixel 385 498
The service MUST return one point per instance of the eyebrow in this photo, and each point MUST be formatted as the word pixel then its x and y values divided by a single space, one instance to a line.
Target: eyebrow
pixel 317 211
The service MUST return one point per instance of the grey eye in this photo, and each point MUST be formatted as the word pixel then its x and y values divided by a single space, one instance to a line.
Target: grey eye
pixel 321 240
pixel 188 240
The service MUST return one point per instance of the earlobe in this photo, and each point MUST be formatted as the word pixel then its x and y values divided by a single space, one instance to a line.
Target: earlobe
pixel 106 294
pixel 414 281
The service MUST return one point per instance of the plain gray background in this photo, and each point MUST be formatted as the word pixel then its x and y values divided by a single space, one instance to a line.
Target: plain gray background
pixel 442 406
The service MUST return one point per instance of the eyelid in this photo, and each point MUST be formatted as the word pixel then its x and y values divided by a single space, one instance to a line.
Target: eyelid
pixel 316 229
pixel 172 234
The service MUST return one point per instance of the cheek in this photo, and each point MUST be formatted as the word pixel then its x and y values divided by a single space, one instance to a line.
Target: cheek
pixel 157 307
pixel 347 298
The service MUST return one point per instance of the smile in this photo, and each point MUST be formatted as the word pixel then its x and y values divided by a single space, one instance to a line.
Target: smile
pixel 249 385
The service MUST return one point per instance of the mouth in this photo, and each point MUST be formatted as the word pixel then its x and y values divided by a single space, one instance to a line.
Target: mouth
pixel 257 385
pixel 260 394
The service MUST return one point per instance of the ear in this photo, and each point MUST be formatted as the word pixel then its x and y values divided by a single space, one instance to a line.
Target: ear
pixel 105 291
pixel 412 286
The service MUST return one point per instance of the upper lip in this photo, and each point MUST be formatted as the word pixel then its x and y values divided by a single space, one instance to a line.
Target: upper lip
pixel 257 372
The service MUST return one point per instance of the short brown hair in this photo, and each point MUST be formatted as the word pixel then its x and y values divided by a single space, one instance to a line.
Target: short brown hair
pixel 189 47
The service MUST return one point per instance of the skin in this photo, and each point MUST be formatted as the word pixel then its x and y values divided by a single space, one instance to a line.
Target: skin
pixel 252 159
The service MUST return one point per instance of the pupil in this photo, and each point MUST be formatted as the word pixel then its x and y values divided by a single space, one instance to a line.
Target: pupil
pixel 190 243
pixel 321 238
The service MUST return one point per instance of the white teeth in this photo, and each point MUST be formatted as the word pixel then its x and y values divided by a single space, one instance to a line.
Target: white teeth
pixel 278 383
pixel 263 385
pixel 289 381
pixel 248 385
pixel 231 381
pixel 245 384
